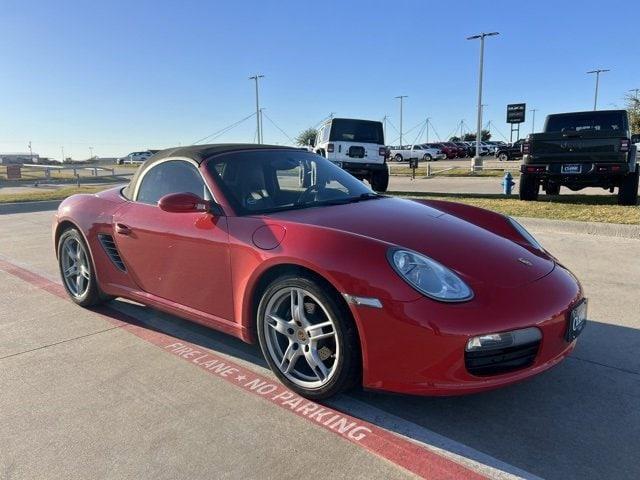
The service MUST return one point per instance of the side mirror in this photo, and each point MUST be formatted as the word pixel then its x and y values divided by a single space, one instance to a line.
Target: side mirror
pixel 184 202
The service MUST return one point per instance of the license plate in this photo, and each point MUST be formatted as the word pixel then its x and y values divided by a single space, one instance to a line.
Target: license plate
pixel 572 168
pixel 577 321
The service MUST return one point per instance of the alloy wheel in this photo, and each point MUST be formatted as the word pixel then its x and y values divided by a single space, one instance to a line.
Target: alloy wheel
pixel 75 267
pixel 301 337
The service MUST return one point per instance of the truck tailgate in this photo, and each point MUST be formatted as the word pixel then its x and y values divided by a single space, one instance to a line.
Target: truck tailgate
pixel 588 146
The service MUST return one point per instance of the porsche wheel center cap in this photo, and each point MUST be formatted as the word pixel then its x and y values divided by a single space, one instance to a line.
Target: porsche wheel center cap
pixel 301 335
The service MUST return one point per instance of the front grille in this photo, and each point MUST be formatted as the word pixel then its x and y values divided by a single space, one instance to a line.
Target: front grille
pixel 110 248
pixel 502 360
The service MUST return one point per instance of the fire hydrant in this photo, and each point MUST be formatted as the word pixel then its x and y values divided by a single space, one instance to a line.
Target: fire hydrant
pixel 507 183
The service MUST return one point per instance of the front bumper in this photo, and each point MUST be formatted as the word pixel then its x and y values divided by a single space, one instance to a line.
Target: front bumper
pixel 419 347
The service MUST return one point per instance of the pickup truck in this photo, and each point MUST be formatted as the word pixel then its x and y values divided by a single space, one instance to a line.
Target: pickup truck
pixel 578 150
pixel 510 152
pixel 421 152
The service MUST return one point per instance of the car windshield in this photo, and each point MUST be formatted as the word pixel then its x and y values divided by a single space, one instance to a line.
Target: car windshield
pixel 362 131
pixel 264 181
pixel 577 122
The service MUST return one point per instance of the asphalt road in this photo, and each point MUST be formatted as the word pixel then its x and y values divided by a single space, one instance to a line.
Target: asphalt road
pixel 84 398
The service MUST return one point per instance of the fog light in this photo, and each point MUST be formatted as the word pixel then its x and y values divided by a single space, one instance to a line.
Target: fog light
pixel 494 341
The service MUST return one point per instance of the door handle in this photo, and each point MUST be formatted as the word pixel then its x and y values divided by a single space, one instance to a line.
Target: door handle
pixel 122 229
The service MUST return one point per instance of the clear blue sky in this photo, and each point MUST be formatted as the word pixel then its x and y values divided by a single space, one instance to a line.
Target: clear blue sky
pixel 126 75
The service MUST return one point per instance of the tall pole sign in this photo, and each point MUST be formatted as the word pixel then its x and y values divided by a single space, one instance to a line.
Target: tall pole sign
pixel 516 116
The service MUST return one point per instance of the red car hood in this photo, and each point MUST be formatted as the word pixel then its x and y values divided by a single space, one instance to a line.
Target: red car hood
pixel 475 253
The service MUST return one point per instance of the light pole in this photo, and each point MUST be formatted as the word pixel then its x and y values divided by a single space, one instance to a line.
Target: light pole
pixel 597 72
pixel 62 150
pixel 30 152
pixel 257 77
pixel 401 97
pixel 90 153
pixel 533 119
pixel 476 163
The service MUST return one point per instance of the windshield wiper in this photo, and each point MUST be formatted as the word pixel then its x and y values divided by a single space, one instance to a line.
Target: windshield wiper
pixel 359 198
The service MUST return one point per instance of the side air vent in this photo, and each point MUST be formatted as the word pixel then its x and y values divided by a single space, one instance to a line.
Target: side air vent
pixel 110 248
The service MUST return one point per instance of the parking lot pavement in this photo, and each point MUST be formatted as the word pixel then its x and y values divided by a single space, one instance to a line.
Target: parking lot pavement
pixel 84 397
pixel 490 185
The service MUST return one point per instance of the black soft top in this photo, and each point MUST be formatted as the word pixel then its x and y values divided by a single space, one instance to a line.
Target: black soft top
pixel 197 153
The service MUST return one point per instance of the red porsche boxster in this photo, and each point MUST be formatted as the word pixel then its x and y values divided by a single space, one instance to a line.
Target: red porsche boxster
pixel 340 286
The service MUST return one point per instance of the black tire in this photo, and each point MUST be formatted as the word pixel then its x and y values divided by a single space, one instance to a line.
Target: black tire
pixel 529 187
pixel 397 157
pixel 348 370
pixel 380 181
pixel 628 190
pixel 553 189
pixel 427 157
pixel 503 156
pixel 92 295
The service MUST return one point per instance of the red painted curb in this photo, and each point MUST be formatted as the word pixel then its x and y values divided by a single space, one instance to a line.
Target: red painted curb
pixel 400 451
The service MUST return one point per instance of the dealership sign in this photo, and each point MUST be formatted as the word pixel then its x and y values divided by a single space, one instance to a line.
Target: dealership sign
pixel 515 112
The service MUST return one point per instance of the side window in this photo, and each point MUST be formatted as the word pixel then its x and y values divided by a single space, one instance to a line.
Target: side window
pixel 174 176
pixel 325 133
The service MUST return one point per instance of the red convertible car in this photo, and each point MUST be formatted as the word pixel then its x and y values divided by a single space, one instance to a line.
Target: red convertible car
pixel 339 285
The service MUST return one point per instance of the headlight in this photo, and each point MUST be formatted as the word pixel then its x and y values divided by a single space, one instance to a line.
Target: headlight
pixel 526 235
pixel 429 277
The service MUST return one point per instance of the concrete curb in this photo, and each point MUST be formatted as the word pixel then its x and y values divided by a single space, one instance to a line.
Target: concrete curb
pixel 588 228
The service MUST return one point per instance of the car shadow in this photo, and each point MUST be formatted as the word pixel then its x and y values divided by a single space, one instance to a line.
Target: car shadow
pixel 579 420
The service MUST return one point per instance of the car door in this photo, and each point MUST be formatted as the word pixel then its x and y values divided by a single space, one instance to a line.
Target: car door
pixel 181 257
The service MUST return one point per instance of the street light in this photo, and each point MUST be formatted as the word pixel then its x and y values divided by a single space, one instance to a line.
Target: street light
pixel 257 77
pixel 597 72
pixel 476 163
pixel 401 97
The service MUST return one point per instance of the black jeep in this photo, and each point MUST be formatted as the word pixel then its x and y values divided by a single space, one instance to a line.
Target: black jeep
pixel 578 150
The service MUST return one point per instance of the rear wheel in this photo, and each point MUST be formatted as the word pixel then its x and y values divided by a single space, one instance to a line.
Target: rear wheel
pixel 503 157
pixel 628 190
pixel 529 187
pixel 77 271
pixel 427 157
pixel 380 180
pixel 553 189
pixel 308 337
pixel 398 157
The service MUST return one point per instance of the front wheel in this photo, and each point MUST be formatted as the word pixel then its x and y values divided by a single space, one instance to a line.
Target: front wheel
pixel 308 337
pixel 77 271
pixel 628 190
pixel 503 157
pixel 529 187
pixel 427 157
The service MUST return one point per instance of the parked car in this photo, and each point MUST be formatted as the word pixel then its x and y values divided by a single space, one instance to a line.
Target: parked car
pixel 494 146
pixel 451 151
pixel 358 147
pixel 510 152
pixel 134 158
pixel 484 149
pixel 340 286
pixel 420 152
pixel 581 149
pixel 464 149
